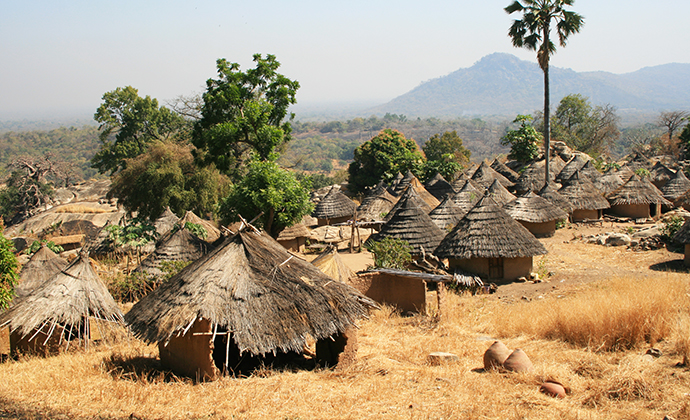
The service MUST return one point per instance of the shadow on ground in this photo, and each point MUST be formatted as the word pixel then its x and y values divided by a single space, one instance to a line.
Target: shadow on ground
pixel 673 266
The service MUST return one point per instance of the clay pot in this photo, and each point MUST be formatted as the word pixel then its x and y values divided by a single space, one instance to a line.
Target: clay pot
pixel 553 389
pixel 495 355
pixel 517 362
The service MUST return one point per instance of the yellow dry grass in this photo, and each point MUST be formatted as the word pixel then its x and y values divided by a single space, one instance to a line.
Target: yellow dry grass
pixel 390 380
pixel 80 208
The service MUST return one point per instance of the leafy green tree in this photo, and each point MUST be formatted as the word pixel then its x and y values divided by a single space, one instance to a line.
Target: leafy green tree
pixel 391 253
pixel 382 157
pixel 167 176
pixel 581 126
pixel 523 142
pixel 9 270
pixel 445 154
pixel 133 236
pixel 533 32
pixel 269 189
pixel 244 112
pixel 134 122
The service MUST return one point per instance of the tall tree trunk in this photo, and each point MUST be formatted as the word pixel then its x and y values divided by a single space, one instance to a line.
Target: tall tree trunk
pixel 547 125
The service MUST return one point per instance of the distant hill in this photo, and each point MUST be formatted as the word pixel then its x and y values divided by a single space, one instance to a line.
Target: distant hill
pixel 502 84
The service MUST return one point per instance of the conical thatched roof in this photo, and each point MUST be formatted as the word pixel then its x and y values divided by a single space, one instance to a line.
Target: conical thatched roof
pixel 416 200
pixel 683 234
pixel 556 165
pixel 64 300
pixel 467 197
pixel 399 177
pixel 550 193
pixel 293 232
pixel 582 194
pixel 502 169
pixel 487 231
pixel 178 245
pixel 532 177
pixel 212 232
pixel 404 182
pixel 412 224
pixel 485 176
pixel 609 182
pixel 460 181
pixel 332 265
pixel 573 165
pixel 252 286
pixel 637 161
pixel 439 187
pixel 446 214
pixel 660 174
pixel 43 265
pixel 637 191
pixel 532 208
pixel 588 170
pixel 334 205
pixel 377 202
pixel 499 193
pixel 165 222
pixel 425 195
pixel 676 186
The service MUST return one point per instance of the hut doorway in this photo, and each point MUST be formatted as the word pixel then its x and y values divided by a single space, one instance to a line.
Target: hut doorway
pixel 495 268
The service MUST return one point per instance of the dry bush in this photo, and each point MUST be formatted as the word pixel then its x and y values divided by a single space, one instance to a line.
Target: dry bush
pixel 80 208
pixel 614 315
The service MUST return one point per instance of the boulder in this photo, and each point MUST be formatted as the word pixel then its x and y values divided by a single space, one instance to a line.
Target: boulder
pixel 518 362
pixel 617 239
pixel 495 355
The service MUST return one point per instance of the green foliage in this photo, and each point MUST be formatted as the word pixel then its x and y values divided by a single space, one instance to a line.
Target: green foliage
pixel 583 127
pixel 135 234
pixel 196 229
pixel 382 157
pixel 643 172
pixel 170 268
pixel 318 153
pixel 36 245
pixel 9 270
pixel 269 189
pixel 167 176
pixel 524 142
pixel 391 253
pixel 134 122
pixel 671 225
pixel 244 112
pixel 684 142
pixel 445 154
pixel 131 287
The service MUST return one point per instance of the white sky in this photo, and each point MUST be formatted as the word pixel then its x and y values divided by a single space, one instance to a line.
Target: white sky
pixel 61 56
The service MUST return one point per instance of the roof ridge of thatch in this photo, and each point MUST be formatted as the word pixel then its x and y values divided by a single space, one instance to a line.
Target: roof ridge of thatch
pixel 485 175
pixel 550 193
pixel 499 193
pixel 252 286
pixel 531 208
pixel 487 231
pixel 439 187
pixel 572 166
pixel 447 213
pixel 416 200
pixel 637 191
pixel 582 194
pixel 41 266
pixel 683 234
pixel 676 186
pixel 334 205
pixel 504 170
pixel 532 177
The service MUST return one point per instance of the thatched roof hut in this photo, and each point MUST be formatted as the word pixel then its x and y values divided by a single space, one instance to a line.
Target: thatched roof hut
pixel 165 222
pixel 550 192
pixel 532 177
pixel 535 213
pixel 333 265
pixel 447 214
pixel 589 171
pixel 588 202
pixel 609 182
pixel 634 198
pixel 177 245
pixel 488 242
pixel 638 161
pixel 499 193
pixel 682 236
pixel 294 238
pixel 416 200
pixel 400 186
pixel 467 196
pixel 660 174
pixel 411 223
pixel 60 310
pixel 502 169
pixel 335 207
pixel 485 176
pixel 425 195
pixel 573 165
pixel 439 187
pixel 43 265
pixel 676 186
pixel 394 183
pixel 376 204
pixel 248 298
pixel 212 232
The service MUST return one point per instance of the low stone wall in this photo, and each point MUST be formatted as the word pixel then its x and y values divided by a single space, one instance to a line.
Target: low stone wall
pixel 406 294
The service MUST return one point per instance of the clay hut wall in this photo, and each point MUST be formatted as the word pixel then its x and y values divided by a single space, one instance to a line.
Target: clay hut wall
pixel 540 230
pixel 406 294
pixel 294 245
pixel 513 268
pixel 38 345
pixel 686 260
pixel 340 350
pixel 191 354
pixel 582 214
pixel 637 211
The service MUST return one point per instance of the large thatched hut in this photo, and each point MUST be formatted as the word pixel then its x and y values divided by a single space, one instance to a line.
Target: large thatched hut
pixel 439 187
pixel 66 307
pixel 535 213
pixel 249 300
pixel 376 204
pixel 683 236
pixel 588 202
pixel 488 242
pixel 335 207
pixel 676 186
pixel 637 199
pixel 43 265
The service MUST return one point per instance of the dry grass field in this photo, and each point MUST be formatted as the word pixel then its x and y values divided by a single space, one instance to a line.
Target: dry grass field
pixel 588 327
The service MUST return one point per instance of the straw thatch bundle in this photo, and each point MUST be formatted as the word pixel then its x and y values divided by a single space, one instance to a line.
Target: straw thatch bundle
pixel 532 208
pixel 550 192
pixel 177 245
pixel 416 200
pixel 212 232
pixel 609 182
pixel 376 203
pixel 411 222
pixel 582 194
pixel 332 265
pixel 485 176
pixel 573 165
pixel 439 187
pixel 487 231
pixel 499 193
pixel 676 186
pixel 467 196
pixel 43 265
pixel 502 169
pixel 334 205
pixel 251 286
pixel 447 214
pixel 637 191
pixel 63 303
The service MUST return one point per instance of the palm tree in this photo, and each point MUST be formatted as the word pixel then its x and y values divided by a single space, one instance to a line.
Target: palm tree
pixel 532 32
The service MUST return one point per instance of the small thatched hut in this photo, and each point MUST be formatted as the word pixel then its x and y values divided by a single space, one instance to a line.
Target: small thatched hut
pixel 502 169
pixel 335 207
pixel 532 177
pixel 439 187
pixel 333 265
pixel 637 199
pixel 660 174
pixel 64 308
pixel 499 193
pixel 467 196
pixel 294 238
pixel 550 192
pixel 247 300
pixel 485 176
pixel 418 201
pixel 394 183
pixel 376 204
pixel 488 242
pixel 535 213
pixel 43 265
pixel 676 186
pixel 610 182
pixel 447 214
pixel 573 165
pixel 683 236
pixel 179 244
pixel 212 232
pixel 588 202
pixel 400 186
pixel 589 171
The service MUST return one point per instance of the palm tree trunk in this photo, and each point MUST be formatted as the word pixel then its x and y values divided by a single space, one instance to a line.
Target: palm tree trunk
pixel 547 126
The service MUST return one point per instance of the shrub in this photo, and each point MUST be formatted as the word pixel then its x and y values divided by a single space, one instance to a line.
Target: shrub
pixel 36 245
pixel 671 226
pixel 391 253
pixel 8 270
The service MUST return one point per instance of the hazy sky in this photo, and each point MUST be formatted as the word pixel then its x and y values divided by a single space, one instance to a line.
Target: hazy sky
pixel 61 56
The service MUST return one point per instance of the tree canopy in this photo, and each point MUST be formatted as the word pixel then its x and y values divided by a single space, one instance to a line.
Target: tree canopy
pixel 244 112
pixel 445 154
pixel 523 142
